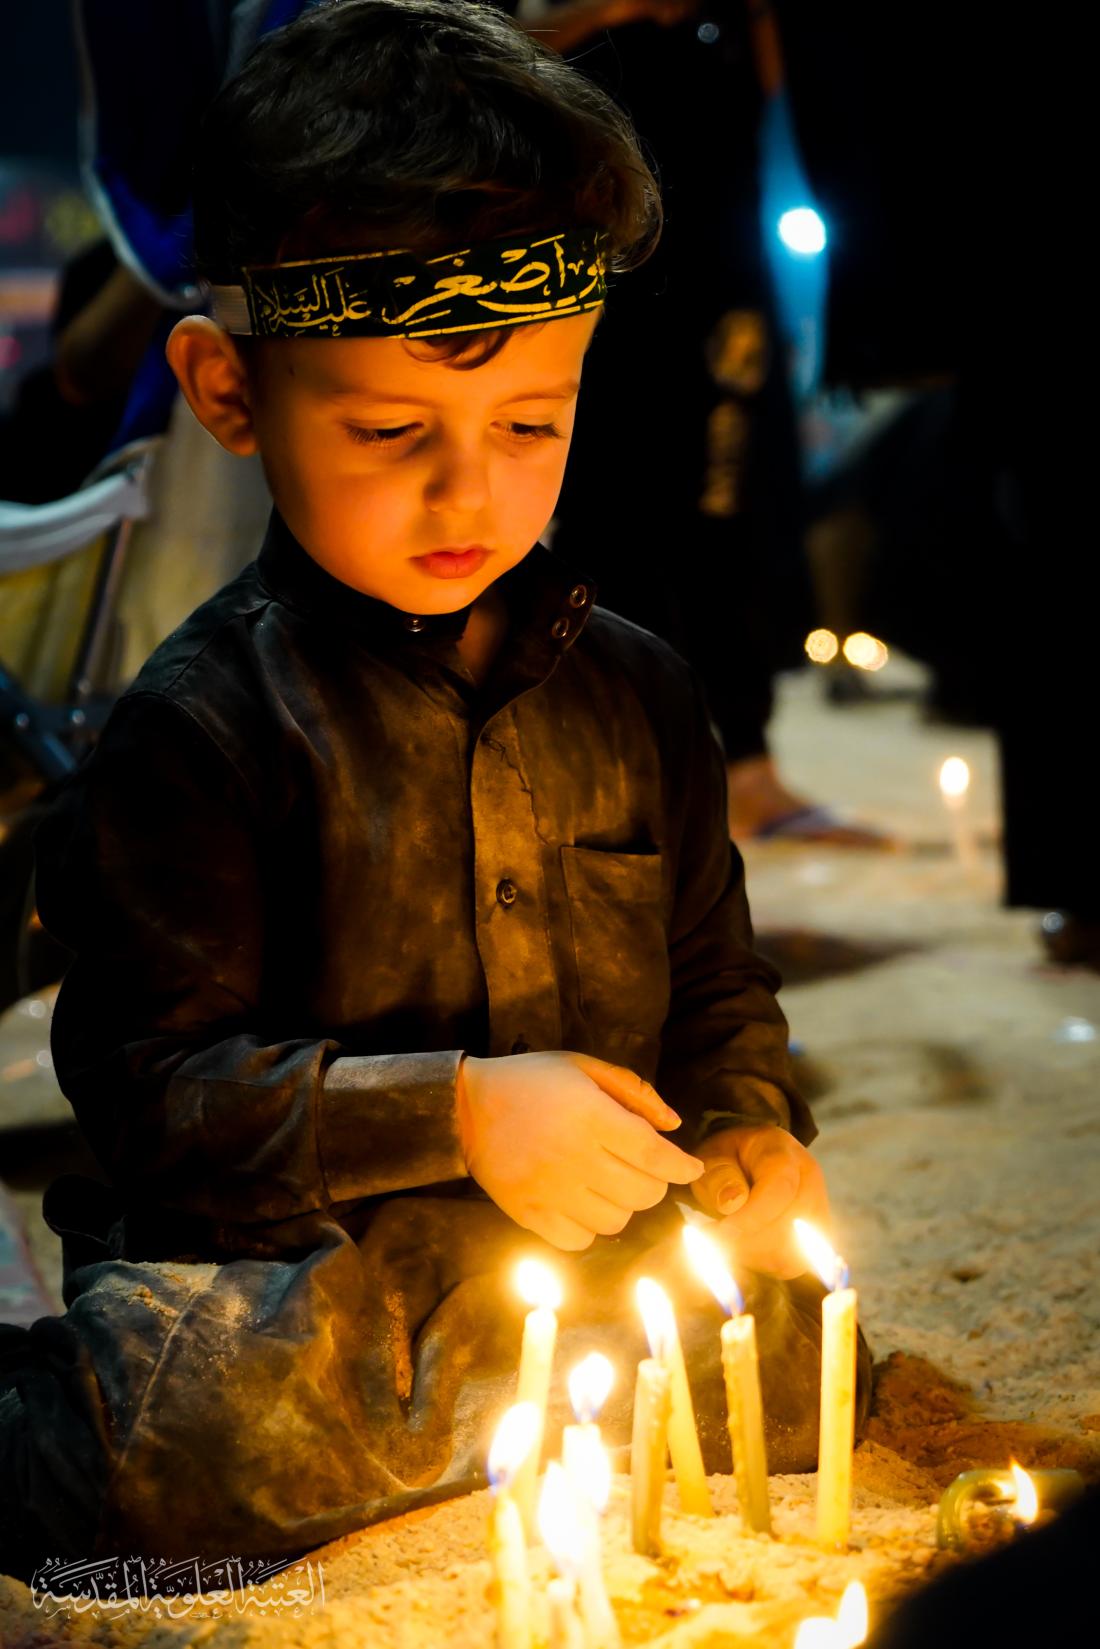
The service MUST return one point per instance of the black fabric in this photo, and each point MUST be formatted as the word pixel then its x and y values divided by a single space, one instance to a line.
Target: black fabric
pixel 683 491
pixel 280 876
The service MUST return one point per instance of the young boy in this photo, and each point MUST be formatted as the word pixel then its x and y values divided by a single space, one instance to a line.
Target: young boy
pixel 401 872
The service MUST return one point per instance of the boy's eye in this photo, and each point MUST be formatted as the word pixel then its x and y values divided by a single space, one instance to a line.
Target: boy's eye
pixel 378 437
pixel 387 437
pixel 535 432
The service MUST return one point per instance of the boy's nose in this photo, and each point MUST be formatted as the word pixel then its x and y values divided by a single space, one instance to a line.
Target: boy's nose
pixel 459 482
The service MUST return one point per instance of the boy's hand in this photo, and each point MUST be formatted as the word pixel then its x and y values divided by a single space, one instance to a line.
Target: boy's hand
pixel 567 1144
pixel 757 1181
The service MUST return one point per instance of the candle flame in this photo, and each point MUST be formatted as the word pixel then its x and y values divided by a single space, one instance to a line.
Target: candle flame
pixel 559 1520
pixel 852 1617
pixel 710 1265
pixel 538 1285
pixel 821 646
pixel 821 1255
pixel 589 1384
pixel 512 1442
pixel 1026 1507
pixel 866 652
pixel 818 1633
pixel 847 1631
pixel 954 777
pixel 657 1316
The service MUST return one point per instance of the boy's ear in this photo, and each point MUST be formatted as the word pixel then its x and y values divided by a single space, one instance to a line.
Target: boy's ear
pixel 212 376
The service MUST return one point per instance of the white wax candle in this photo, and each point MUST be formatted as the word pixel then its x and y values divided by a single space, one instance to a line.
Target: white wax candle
pixel 649 1456
pixel 955 790
pixel 507 1543
pixel 740 1367
pixel 512 1591
pixel 746 1421
pixel 838 1417
pixel 582 1452
pixel 569 1526
pixel 585 1460
pixel 683 1439
pixel 836 1434
pixel 566 1631
pixel 540 1330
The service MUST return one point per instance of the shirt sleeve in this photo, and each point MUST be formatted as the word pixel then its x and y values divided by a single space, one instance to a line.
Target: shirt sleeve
pixel 151 870
pixel 724 1058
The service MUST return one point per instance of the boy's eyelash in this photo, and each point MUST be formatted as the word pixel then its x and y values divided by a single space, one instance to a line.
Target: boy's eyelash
pixel 388 437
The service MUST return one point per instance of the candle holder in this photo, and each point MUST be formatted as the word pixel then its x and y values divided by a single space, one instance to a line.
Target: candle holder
pixel 1055 1489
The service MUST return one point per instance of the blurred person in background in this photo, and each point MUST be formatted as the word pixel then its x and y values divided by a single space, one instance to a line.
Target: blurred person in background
pixel 945 150
pixel 721 485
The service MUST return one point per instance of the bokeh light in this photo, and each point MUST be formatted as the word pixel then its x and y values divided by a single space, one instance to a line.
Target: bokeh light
pixel 866 652
pixel 821 646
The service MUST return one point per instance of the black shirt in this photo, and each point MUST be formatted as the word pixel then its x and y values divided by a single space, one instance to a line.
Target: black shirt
pixel 311 862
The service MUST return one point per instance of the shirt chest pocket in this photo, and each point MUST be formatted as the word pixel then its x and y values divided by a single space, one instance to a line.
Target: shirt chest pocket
pixel 616 911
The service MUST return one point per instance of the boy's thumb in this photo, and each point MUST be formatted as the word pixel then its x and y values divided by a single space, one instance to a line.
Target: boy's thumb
pixel 722 1190
pixel 629 1090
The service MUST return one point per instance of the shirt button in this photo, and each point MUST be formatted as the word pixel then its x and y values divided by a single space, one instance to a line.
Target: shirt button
pixel 519 1046
pixel 507 892
pixel 414 624
pixel 560 629
pixel 578 595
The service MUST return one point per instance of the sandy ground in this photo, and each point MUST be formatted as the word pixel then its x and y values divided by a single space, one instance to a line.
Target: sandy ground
pixel 955 1078
pixel 956 1081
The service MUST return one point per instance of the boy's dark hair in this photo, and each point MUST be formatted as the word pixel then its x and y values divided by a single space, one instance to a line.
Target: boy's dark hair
pixel 426 124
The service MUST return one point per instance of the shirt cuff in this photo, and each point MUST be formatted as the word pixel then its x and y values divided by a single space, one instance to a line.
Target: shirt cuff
pixel 387 1122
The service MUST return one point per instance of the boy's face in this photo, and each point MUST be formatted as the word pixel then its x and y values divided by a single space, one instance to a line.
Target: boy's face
pixel 380 459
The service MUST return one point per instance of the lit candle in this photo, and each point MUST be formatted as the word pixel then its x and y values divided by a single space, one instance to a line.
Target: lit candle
pixel 582 1454
pixel 567 1523
pixel 818 1632
pixel 742 1373
pixel 847 1631
pixel 512 1443
pixel 540 1288
pixel 683 1439
pixel 648 1454
pixel 837 1425
pixel 1023 1494
pixel 954 788
pixel 1025 1500
pixel 566 1631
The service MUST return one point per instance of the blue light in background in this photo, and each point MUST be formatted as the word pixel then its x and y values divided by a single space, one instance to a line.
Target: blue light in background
pixel 794 239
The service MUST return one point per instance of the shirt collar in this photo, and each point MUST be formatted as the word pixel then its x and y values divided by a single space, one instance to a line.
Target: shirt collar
pixel 543 596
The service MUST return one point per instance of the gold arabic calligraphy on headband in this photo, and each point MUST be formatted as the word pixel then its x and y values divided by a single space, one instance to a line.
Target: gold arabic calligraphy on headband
pixel 396 294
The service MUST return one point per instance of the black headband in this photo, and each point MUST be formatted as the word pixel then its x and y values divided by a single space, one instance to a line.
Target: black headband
pixel 506 282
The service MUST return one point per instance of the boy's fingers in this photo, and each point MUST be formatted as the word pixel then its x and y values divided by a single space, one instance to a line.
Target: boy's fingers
pixel 628 1090
pixel 629 1187
pixel 595 1213
pixel 722 1190
pixel 635 1143
pixel 774 1189
pixel 560 1230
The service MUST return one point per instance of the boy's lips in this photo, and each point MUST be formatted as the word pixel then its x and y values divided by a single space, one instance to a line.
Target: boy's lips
pixel 456 563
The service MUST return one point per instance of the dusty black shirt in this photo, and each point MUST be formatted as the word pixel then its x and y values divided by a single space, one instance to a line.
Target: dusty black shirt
pixel 311 862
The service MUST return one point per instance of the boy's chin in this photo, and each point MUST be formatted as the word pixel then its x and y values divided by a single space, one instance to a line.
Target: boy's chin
pixel 432 598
